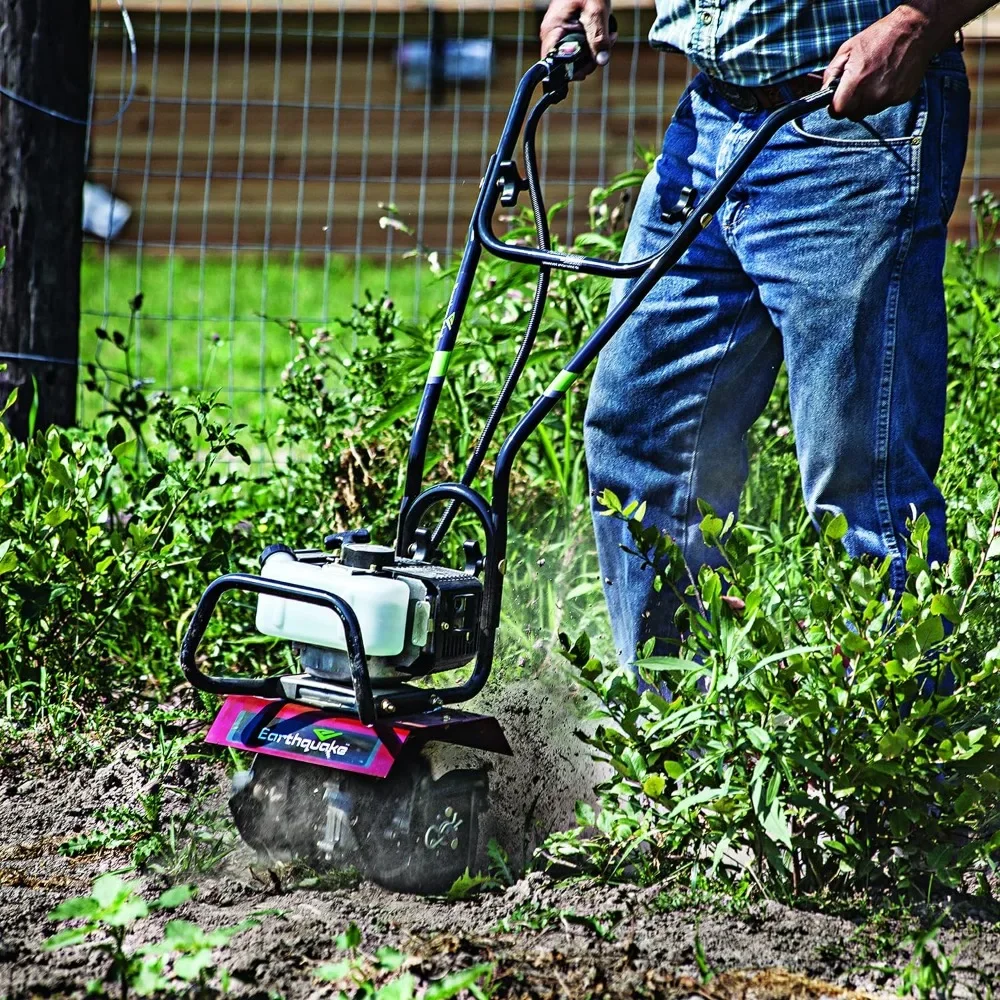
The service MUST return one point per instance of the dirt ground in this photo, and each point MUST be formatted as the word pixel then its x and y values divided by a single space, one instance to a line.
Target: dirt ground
pixel 545 940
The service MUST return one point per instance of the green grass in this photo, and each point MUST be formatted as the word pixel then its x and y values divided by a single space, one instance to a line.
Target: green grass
pixel 223 331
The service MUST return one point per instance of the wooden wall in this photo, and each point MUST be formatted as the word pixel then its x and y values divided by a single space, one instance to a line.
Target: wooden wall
pixel 200 166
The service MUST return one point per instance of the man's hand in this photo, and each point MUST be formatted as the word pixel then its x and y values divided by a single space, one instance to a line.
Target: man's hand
pixel 884 64
pixel 566 16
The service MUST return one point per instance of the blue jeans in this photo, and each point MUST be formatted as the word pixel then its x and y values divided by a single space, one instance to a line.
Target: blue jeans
pixel 828 255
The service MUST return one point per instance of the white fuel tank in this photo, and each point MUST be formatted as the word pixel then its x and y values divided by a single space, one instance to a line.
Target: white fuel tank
pixel 379 602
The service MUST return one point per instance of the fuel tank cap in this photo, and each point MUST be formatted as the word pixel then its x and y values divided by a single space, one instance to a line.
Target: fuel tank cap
pixel 365 555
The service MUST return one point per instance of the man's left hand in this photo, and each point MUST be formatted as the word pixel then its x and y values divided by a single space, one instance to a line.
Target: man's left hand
pixel 882 65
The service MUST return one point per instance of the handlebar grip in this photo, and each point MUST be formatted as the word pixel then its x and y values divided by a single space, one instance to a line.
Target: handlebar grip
pixel 574 48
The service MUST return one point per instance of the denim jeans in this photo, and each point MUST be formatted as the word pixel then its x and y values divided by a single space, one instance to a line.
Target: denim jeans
pixel 828 255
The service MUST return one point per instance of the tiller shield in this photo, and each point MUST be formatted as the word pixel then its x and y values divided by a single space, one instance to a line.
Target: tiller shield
pixel 314 736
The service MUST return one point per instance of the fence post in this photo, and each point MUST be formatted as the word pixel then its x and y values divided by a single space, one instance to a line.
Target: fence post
pixel 44 49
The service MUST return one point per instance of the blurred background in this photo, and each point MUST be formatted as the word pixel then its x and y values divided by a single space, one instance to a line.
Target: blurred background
pixel 281 158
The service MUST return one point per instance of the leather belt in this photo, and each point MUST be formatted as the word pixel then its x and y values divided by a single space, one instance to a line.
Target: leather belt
pixel 750 99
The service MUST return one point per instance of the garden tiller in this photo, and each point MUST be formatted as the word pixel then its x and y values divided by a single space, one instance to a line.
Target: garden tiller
pixel 339 778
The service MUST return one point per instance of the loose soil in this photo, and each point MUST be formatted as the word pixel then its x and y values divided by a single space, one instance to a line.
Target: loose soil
pixel 546 940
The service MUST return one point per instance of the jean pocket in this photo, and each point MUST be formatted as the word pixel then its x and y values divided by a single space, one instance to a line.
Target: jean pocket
pixel 896 126
pixel 955 102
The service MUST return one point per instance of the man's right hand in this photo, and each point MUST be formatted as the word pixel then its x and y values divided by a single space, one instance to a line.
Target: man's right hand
pixel 566 16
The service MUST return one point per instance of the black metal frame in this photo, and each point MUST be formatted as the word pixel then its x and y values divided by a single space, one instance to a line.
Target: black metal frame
pixel 501 181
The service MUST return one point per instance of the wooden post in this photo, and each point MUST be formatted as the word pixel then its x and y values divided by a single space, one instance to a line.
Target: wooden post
pixel 44 52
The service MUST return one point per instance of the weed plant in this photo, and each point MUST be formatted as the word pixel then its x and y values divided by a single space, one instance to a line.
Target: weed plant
pixel 181 962
pixel 387 975
pixel 807 737
pixel 110 532
pixel 798 747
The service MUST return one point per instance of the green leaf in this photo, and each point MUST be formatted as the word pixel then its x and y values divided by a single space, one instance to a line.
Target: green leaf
pixel 944 604
pixel 892 745
pixel 674 769
pixel 127 911
pixel 959 569
pixel 967 800
pixel 836 529
pixel 57 470
pixel 115 436
pixel 175 896
pixel 68 937
pixel 125 450
pixel 776 825
pixel 182 933
pixel 906 648
pixel 466 884
pixel 238 451
pixel 986 497
pixel 773 787
pixel 109 889
pixel 189 967
pixel 56 516
pixel 350 938
pixel 711 529
pixel 78 906
pixel 854 643
pixel 398 989
pixel 665 664
pixel 148 978
pixel 455 982
pixel 407 405
pixel 389 958
pixel 993 552
pixel 929 632
pixel 8 557
pixel 334 972
pixel 654 785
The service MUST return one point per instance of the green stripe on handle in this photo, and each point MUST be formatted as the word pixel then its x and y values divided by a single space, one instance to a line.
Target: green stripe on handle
pixel 439 364
pixel 563 381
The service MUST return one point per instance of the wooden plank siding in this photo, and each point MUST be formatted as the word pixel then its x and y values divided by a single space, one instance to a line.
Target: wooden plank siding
pixel 200 169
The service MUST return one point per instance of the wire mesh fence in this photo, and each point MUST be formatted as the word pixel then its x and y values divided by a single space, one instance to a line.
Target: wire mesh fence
pixel 282 157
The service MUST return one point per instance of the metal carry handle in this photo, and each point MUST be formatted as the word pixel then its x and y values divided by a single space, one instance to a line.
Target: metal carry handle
pixel 270 687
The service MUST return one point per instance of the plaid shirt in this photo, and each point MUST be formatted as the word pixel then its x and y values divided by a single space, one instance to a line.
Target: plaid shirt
pixel 760 42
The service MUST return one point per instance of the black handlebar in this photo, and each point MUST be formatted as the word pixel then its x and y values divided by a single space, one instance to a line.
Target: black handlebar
pixel 554 72
pixel 705 210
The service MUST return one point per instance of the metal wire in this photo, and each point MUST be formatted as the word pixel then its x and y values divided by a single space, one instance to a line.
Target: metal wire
pixel 89 121
pixel 260 149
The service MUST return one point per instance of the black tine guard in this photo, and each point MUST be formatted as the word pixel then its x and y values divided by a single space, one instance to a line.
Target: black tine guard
pixel 270 687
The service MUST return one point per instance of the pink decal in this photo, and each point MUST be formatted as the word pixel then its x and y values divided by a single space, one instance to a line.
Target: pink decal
pixel 298 732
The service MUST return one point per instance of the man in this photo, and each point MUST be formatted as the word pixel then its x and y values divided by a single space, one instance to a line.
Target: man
pixel 829 254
